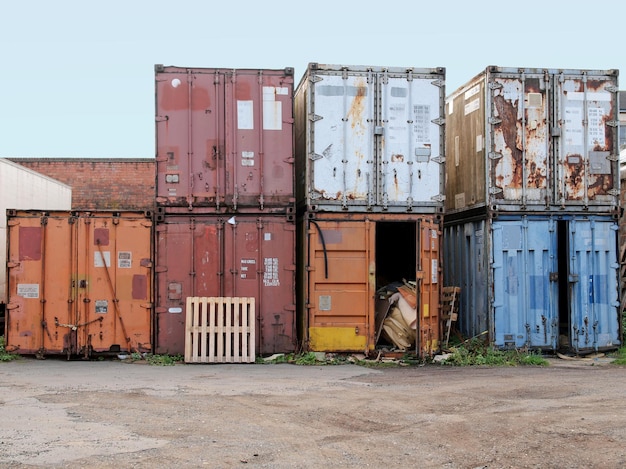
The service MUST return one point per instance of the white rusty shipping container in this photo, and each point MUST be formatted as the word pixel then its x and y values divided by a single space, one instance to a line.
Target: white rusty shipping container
pixel 24 189
pixel 532 139
pixel 370 138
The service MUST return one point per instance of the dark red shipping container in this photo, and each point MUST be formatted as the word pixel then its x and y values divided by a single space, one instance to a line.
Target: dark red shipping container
pixel 208 255
pixel 224 137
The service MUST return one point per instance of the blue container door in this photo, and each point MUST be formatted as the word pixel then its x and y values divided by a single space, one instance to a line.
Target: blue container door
pixel 525 295
pixel 593 279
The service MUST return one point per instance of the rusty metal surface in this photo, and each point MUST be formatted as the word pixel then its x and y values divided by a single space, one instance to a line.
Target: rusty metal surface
pixel 224 137
pixel 533 139
pixel 347 258
pixel 79 282
pixel 215 256
pixel 370 138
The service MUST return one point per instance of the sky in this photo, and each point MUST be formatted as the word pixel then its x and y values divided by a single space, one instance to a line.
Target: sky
pixel 77 76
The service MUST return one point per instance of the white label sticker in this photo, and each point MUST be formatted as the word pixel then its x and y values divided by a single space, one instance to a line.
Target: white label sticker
pixel 596 126
pixel 573 126
pixel 28 290
pixel 433 272
pixel 124 259
pixel 270 276
pixel 98 260
pixel 472 106
pixel 245 115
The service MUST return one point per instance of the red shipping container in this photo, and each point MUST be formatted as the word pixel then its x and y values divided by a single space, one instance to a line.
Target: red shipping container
pixel 224 137
pixel 207 255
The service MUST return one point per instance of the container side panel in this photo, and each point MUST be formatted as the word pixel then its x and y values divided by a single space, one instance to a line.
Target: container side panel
pixel 259 139
pixel 411 148
pixel 520 140
pixel 340 314
pixel 430 283
pixel 594 286
pixel 189 137
pixel 466 266
pixel 342 150
pixel 588 148
pixel 466 151
pixel 117 263
pixel 261 252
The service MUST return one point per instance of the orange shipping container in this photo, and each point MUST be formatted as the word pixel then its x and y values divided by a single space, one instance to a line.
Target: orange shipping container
pixel 346 263
pixel 79 282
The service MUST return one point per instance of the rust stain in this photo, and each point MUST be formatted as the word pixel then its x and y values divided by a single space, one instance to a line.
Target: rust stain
pixel 357 108
pixel 574 176
pixel 397 158
pixel 509 128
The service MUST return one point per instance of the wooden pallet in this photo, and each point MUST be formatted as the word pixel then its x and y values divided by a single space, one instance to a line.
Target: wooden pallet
pixel 220 330
pixel 449 309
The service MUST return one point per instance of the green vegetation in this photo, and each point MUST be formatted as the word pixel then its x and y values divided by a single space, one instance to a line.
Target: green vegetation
pixel 164 360
pixel 620 356
pixel 478 352
pixel 4 355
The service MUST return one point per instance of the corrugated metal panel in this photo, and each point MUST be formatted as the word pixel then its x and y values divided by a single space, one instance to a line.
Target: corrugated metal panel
pixel 24 189
pixel 348 258
pixel 534 139
pixel 224 137
pixel 214 256
pixel 550 282
pixel 370 138
pixel 79 282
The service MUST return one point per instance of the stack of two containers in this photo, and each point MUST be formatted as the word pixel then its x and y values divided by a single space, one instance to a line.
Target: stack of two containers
pixel 370 174
pixel 225 221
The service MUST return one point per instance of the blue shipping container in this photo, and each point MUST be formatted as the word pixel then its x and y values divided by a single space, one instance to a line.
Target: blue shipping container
pixel 552 282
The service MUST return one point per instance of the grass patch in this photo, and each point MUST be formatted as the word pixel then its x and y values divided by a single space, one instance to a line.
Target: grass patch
pixel 477 352
pixel 620 356
pixel 4 355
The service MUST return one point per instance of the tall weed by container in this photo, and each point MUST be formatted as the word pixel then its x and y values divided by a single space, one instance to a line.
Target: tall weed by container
pixel 476 352
pixel 4 355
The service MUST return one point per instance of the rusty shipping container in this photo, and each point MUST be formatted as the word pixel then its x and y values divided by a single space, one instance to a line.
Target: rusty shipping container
pixel 224 138
pixel 79 282
pixel 347 263
pixel 370 139
pixel 532 139
pixel 209 255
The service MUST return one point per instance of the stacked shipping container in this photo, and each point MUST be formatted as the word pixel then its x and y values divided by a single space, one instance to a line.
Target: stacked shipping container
pixel 532 200
pixel 369 167
pixel 225 198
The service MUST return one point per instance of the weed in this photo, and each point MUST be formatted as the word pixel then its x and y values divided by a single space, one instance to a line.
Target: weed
pixel 478 352
pixel 4 355
pixel 620 356
pixel 163 360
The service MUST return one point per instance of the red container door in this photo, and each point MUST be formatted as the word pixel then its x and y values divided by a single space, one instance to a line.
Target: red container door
pixel 245 256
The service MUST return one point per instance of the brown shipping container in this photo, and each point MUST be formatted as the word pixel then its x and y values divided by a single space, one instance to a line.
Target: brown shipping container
pixel 224 137
pixel 345 264
pixel 79 282
pixel 207 255
pixel 530 139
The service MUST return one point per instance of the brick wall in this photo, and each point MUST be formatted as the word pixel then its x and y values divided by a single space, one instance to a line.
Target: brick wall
pixel 102 184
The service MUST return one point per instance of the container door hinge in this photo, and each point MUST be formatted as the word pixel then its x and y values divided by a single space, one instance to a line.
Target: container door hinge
pixel 614 192
pixel 315 156
pixel 494 155
pixel 439 159
pixel 161 118
pixel 160 269
pixel 439 121
pixel 495 190
pixel 440 83
pixel 612 123
pixel 11 265
pixel 495 86
pixel 495 120
pixel 315 117
pixel 438 198
pixel 315 78
pixel 613 157
pixel 611 89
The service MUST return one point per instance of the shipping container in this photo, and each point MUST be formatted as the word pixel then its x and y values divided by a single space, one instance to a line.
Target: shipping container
pixel 370 139
pixel 208 255
pixel 79 282
pixel 531 139
pixel 548 282
pixel 349 264
pixel 24 189
pixel 224 137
